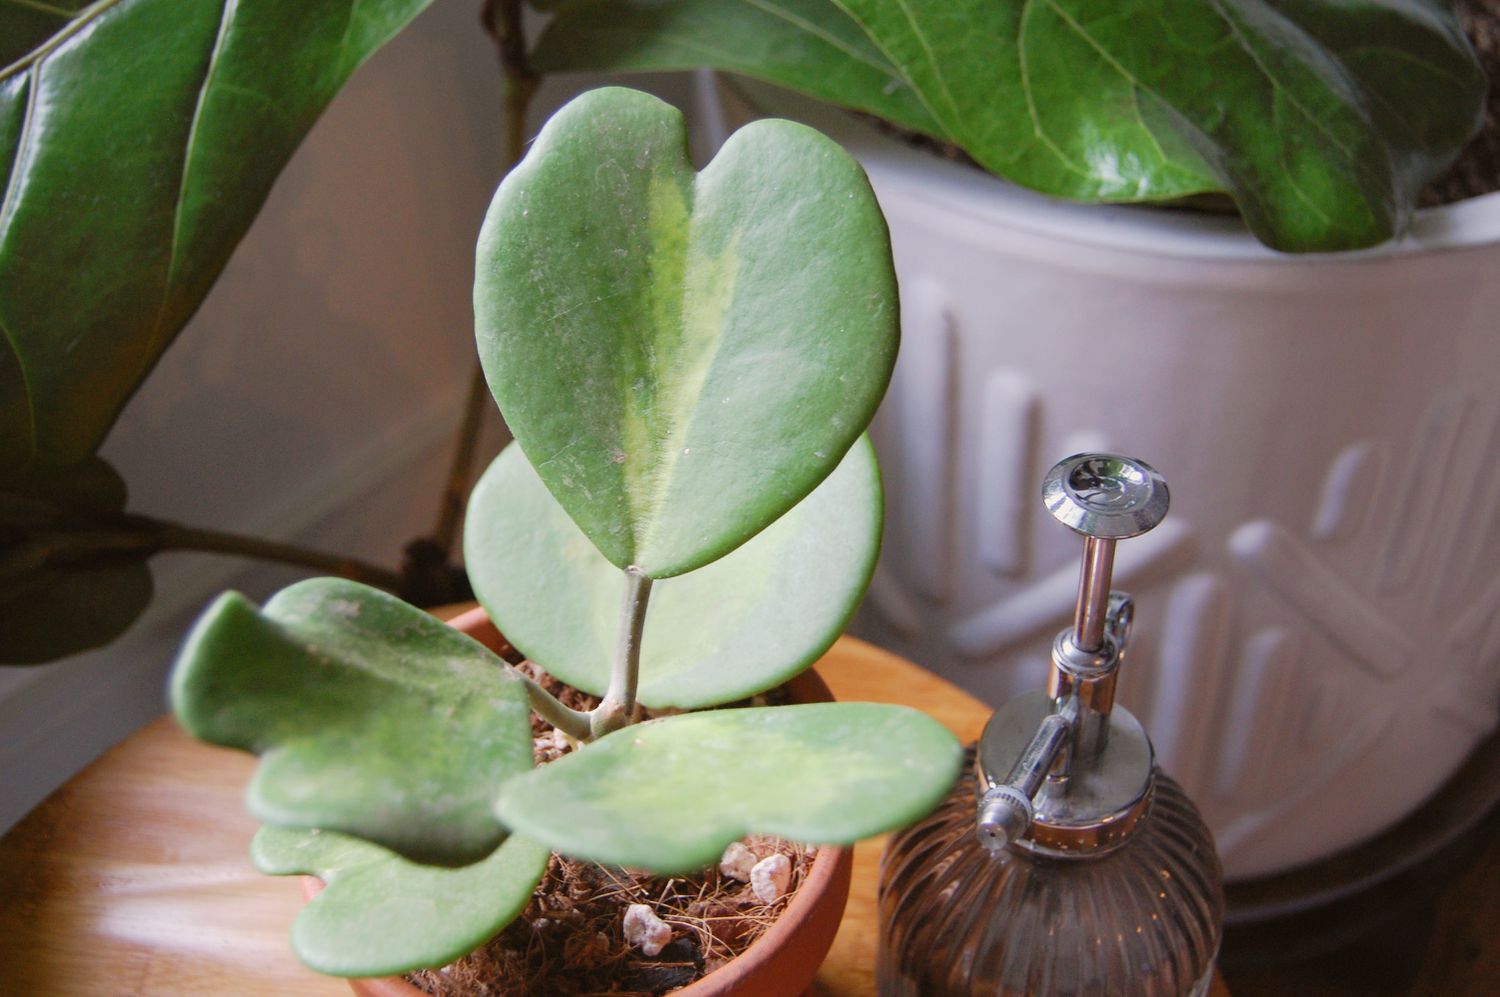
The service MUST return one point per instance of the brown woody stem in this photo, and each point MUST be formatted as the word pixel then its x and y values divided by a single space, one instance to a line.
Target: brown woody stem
pixel 502 21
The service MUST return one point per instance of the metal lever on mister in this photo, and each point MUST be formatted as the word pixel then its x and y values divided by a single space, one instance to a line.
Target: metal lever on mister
pixel 1105 498
pixel 1089 870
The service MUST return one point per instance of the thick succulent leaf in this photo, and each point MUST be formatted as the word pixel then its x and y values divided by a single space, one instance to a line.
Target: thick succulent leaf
pixel 65 585
pixel 370 717
pixel 138 139
pixel 669 795
pixel 380 914
pixel 743 624
pixel 808 45
pixel 1098 100
pixel 682 356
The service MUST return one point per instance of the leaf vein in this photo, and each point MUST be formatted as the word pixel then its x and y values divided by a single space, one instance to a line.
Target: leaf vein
pixel 45 8
pixel 37 55
pixel 1026 88
pixel 348 33
pixel 15 349
pixel 19 169
pixel 817 32
pixel 937 72
pixel 1276 83
pixel 226 19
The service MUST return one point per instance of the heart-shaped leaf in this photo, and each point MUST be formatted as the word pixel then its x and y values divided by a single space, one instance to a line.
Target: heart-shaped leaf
pixel 669 795
pixel 138 139
pixel 68 582
pixel 1322 119
pixel 743 624
pixel 808 45
pixel 682 356
pixel 380 914
pixel 370 716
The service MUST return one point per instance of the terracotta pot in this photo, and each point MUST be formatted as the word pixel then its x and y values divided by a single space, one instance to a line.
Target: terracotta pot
pixel 783 961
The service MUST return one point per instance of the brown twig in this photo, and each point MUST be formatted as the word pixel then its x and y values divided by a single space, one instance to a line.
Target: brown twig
pixel 501 20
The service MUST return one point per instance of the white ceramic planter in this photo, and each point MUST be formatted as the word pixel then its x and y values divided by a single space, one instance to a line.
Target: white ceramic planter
pixel 1318 644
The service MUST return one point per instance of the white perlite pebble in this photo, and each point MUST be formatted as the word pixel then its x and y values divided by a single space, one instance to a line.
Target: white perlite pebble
pixel 737 862
pixel 644 929
pixel 770 877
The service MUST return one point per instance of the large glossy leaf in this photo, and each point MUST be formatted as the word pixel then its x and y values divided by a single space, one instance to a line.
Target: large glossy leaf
pixel 743 624
pixel 1098 100
pixel 67 582
pixel 669 795
pixel 1321 118
pixel 370 716
pixel 138 139
pixel 809 45
pixel 682 356
pixel 381 915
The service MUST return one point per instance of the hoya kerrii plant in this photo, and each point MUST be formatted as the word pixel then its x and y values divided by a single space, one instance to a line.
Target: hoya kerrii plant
pixel 688 517
pixel 1321 120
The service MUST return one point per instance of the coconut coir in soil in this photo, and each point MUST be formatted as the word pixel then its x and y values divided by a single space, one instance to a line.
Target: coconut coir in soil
pixel 570 941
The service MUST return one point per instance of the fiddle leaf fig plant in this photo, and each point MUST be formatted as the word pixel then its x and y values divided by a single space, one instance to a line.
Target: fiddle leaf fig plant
pixel 90 298
pixel 138 140
pixel 1321 119
pixel 688 517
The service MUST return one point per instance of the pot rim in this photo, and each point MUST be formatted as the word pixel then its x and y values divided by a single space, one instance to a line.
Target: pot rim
pixel 826 883
pixel 1145 228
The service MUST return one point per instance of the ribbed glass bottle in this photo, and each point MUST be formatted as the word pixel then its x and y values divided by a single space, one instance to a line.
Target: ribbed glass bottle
pixel 960 921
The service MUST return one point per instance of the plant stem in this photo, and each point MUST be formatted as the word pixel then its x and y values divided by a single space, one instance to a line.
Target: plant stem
pixel 174 536
pixel 460 469
pixel 574 723
pixel 614 711
pixel 502 21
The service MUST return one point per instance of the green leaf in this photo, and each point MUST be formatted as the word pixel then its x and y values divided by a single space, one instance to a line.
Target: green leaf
pixel 68 582
pixel 370 717
pixel 381 915
pixel 808 45
pixel 138 139
pixel 682 356
pixel 1321 118
pixel 738 626
pixel 1095 100
pixel 669 795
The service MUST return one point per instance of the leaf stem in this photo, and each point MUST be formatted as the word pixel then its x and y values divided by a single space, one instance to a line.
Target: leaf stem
pixel 574 723
pixel 174 536
pixel 614 711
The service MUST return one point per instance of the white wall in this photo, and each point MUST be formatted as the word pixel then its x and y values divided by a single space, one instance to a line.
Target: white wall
pixel 314 396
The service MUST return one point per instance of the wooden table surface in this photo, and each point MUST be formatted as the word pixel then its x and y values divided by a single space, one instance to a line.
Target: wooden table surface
pixel 133 878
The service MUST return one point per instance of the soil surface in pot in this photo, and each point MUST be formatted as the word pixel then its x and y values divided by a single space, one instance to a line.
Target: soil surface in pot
pixel 570 939
pixel 1477 169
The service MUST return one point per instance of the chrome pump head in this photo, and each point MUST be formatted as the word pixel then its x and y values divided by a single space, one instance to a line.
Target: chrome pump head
pixel 1077 772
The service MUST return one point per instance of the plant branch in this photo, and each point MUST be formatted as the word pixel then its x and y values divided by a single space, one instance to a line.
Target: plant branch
pixel 574 723
pixel 174 536
pixel 614 711
pixel 461 468
pixel 502 21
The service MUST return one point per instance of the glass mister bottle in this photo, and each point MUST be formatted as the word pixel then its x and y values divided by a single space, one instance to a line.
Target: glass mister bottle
pixel 1069 864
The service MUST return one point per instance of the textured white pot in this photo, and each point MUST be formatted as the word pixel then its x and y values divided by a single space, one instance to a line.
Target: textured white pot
pixel 1318 638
